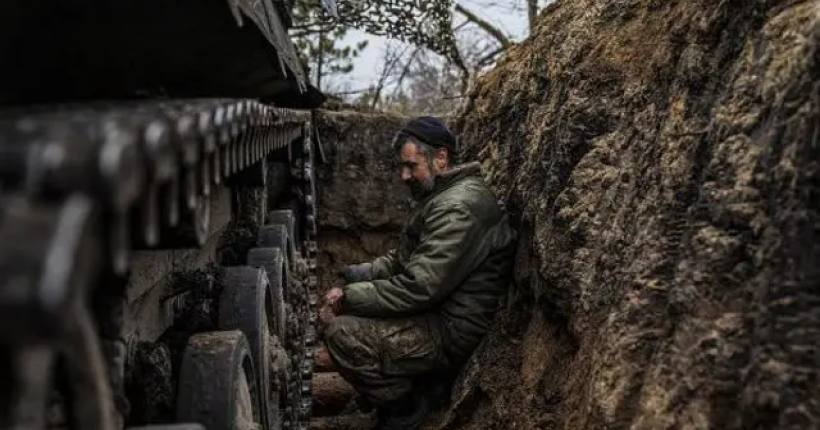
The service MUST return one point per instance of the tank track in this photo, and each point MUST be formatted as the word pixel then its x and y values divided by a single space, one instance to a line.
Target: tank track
pixel 83 185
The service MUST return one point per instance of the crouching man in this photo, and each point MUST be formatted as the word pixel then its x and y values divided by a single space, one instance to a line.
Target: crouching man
pixel 408 320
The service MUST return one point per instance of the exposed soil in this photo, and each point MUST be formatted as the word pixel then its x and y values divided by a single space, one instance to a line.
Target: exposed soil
pixel 362 203
pixel 666 155
pixel 664 161
pixel 361 199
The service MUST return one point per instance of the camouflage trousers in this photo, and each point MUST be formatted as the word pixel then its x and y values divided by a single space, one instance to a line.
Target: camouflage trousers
pixel 381 358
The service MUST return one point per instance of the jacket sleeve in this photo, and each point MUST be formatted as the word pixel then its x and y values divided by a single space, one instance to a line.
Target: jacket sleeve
pixel 450 247
pixel 380 268
pixel 384 266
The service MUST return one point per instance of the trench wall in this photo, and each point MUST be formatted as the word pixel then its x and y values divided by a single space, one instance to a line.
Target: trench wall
pixel 362 201
pixel 665 161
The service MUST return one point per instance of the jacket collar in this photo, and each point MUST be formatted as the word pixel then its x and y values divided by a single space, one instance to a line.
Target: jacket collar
pixel 447 179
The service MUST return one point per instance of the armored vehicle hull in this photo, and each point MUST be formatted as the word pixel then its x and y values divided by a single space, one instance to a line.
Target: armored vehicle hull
pixel 157 216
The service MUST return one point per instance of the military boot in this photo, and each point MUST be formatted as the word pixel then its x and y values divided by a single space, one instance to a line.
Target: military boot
pixel 363 404
pixel 382 417
pixel 413 413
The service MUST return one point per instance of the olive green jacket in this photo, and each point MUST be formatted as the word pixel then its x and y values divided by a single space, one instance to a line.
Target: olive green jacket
pixel 454 260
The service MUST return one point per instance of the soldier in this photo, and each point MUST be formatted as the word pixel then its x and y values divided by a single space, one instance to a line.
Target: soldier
pixel 411 318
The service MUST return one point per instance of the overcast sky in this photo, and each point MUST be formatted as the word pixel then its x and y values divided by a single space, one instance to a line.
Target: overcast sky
pixel 509 15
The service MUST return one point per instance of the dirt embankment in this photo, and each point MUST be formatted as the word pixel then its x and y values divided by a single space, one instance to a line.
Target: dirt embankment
pixel 665 159
pixel 362 201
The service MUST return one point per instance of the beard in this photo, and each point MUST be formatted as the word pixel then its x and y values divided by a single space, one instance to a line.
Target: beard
pixel 420 189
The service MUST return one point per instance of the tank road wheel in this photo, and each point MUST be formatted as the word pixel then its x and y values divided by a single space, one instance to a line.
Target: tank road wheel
pixel 277 236
pixel 275 254
pixel 217 383
pixel 272 260
pixel 275 263
pixel 286 218
pixel 247 304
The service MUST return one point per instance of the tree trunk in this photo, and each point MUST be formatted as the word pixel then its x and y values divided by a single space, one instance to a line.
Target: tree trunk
pixel 532 14
pixel 485 25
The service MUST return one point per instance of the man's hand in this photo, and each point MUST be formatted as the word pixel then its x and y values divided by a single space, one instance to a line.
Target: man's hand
pixel 331 305
pixel 333 299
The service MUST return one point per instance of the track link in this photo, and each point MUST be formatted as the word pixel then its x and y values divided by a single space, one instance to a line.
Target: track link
pixel 147 165
pixel 83 185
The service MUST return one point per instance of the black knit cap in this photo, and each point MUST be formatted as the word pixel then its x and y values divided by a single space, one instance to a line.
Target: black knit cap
pixel 432 131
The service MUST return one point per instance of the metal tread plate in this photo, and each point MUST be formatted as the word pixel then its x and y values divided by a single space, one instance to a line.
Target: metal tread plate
pixel 142 167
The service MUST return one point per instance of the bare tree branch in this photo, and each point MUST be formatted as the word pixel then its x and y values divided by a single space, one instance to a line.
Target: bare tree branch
pixel 391 58
pixel 406 69
pixel 485 25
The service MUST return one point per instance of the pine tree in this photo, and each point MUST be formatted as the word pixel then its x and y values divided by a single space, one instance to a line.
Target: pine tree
pixel 319 42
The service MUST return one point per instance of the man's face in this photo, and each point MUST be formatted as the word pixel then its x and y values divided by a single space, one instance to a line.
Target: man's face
pixel 418 170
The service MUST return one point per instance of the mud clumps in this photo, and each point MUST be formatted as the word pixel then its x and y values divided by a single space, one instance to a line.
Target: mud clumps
pixel 150 385
pixel 667 157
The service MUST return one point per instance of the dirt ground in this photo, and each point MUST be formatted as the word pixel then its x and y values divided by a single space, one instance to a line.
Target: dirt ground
pixel 664 161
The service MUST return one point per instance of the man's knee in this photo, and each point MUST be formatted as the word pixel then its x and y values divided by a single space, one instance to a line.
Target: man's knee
pixel 347 341
pixel 338 327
